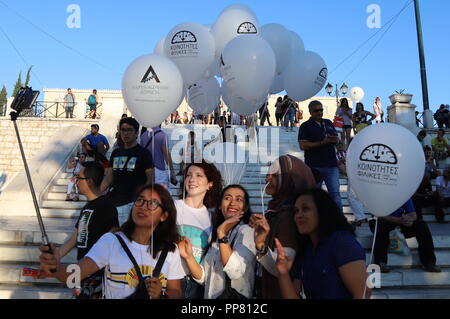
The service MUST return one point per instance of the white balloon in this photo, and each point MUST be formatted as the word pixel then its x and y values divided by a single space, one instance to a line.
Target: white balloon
pixel 248 66
pixel 159 47
pixel 240 105
pixel 152 88
pixel 356 94
pixel 191 46
pixel 213 70
pixel 305 76
pixel 297 45
pixel 204 96
pixel 279 38
pixel 233 21
pixel 277 84
pixel 385 171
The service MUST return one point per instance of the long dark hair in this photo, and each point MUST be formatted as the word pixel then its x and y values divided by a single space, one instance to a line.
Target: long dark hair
pixel 213 175
pixel 344 103
pixel 330 218
pixel 217 216
pixel 166 233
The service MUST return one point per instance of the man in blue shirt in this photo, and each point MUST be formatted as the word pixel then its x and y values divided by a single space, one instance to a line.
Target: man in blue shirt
pixel 317 137
pixel 406 218
pixel 95 143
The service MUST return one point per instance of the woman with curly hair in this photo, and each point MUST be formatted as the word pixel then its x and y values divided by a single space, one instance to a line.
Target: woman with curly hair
pixel 201 192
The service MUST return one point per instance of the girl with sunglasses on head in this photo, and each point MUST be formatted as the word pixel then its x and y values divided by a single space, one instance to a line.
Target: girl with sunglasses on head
pixel 142 260
pixel 75 164
pixel 228 269
pixel 201 191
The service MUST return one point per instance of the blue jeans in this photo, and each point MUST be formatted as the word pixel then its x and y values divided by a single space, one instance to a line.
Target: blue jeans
pixel 330 175
pixel 289 117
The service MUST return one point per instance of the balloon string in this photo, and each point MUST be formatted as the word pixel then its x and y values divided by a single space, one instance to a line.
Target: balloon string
pixel 371 253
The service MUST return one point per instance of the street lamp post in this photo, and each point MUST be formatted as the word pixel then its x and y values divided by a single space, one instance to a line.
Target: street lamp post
pixel 343 90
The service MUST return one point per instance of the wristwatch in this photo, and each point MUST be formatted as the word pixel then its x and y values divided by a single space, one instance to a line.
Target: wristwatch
pixel 223 240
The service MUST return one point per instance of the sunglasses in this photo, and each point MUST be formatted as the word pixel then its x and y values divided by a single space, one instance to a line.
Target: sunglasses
pixel 318 110
pixel 151 204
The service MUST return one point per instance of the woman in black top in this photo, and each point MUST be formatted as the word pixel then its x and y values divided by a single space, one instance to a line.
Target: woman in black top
pixel 360 118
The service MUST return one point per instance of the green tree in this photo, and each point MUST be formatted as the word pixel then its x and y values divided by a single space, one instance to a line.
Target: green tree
pixel 18 84
pixel 3 99
pixel 27 80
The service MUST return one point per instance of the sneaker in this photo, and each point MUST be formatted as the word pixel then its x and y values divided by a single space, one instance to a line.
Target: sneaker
pixel 68 199
pixel 75 198
pixel 432 268
pixel 384 268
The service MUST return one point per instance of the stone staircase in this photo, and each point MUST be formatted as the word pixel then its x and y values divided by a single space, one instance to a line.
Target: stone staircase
pixel 20 238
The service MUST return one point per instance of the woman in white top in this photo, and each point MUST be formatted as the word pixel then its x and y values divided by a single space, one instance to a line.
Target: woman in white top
pixel 345 112
pixel 75 163
pixel 202 188
pixel 378 110
pixel 152 221
pixel 231 254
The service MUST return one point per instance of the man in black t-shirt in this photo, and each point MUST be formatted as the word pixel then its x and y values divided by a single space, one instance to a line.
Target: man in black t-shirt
pixel 129 168
pixel 97 217
pixel 318 138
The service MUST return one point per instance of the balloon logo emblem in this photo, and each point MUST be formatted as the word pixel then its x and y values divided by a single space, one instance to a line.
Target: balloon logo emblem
pixel 247 28
pixel 324 73
pixel 379 153
pixel 150 75
pixel 184 37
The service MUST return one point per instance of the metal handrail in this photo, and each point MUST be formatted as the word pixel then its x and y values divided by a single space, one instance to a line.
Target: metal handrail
pixel 46 109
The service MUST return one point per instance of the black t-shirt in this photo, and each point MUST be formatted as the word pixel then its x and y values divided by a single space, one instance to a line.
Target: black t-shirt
pixel 325 155
pixel 96 218
pixel 129 166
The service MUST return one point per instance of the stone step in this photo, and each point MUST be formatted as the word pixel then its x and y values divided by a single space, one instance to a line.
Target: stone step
pixel 412 260
pixel 415 278
pixel 411 293
pixel 28 254
pixel 34 292
pixel 12 274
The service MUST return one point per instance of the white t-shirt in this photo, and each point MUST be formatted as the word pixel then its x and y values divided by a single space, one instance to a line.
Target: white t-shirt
pixel 445 189
pixel 240 267
pixel 120 276
pixel 195 224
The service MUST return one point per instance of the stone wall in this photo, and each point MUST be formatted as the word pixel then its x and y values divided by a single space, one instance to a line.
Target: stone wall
pixel 35 133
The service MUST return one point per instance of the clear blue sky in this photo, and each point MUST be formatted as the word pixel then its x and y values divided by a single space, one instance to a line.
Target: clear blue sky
pixel 116 32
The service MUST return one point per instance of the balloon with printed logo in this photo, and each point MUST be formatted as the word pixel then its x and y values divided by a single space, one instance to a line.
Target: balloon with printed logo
pixel 191 47
pixel 382 167
pixel 305 76
pixel 233 21
pixel 356 94
pixel 152 87
pixel 240 105
pixel 279 38
pixel 204 96
pixel 248 66
pixel 159 47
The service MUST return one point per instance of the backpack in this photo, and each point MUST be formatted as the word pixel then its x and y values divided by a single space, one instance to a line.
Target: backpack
pixel 92 100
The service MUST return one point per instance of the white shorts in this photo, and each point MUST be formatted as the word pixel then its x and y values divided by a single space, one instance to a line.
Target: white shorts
pixel 161 177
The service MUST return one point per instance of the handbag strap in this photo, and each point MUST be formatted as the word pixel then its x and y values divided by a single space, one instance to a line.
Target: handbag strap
pixel 160 262
pixel 130 256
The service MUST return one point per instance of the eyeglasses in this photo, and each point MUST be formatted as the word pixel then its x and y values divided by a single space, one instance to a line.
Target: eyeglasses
pixel 80 178
pixel 318 110
pixel 127 130
pixel 151 204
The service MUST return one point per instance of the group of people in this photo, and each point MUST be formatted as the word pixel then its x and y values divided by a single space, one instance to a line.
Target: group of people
pixel 92 102
pixel 358 120
pixel 135 241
